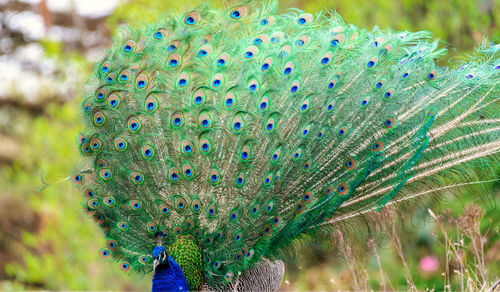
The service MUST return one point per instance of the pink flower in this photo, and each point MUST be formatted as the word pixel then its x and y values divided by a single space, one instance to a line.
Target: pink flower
pixel 429 264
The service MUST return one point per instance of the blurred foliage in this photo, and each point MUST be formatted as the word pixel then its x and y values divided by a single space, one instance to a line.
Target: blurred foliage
pixel 48 243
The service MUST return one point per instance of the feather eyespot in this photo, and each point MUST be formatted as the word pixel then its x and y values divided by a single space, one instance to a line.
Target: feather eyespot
pixel 180 204
pixel 285 51
pixel 337 40
pixel 192 18
pixel 250 52
pixel 151 227
pixel 196 205
pixel 365 102
pixel 268 179
pixel 240 179
pixel 372 62
pixel 267 21
pixel 108 201
pixel 377 146
pixel 350 164
pixel 302 41
pixel 93 203
pixel 288 68
pixel 205 121
pixel 89 193
pixel 114 100
pixel 122 225
pixel 432 75
pixel 211 211
pixel 270 125
pixel 245 153
pixel 178 230
pixel 136 177
pixel 389 94
pixel 151 104
pixel 199 97
pixel 230 100
pixel 299 207
pixel 406 74
pixel 380 83
pixel 228 277
pixel 183 80
pixel 217 80
pixel 134 125
pixel 205 145
pixel 103 252
pixel 295 87
pixel 187 147
pixel 120 144
pixel 105 67
pixel 142 81
pixel 238 13
pixel 177 120
pixel 268 230
pixel 95 144
pixel 124 267
pixel 297 154
pixel 268 62
pixel 99 219
pixel 306 131
pixel 307 165
pixel 261 40
pixel 159 34
pixel 100 94
pixel 105 174
pixel 214 176
pixel 111 244
pixel 124 76
pixel 129 47
pixel 269 207
pixel 321 133
pixel 234 216
pixel 276 155
pixel 165 210
pixel 143 259
pixel 430 114
pixel 342 132
pixel 204 51
pixel 343 189
pixel 328 191
pixel 173 174
pixel 222 60
pixel 173 46
pixel 389 123
pixel 326 59
pixel 174 61
pixel 264 103
pixel 307 197
pixel 99 118
pixel 386 50
pixel 101 163
pixel 188 171
pixel 253 85
pixel 304 19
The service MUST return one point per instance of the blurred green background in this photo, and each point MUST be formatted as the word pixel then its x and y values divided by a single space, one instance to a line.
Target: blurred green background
pixel 47 50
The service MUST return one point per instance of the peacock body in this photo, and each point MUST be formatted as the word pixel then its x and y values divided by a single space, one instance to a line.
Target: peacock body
pixel 233 133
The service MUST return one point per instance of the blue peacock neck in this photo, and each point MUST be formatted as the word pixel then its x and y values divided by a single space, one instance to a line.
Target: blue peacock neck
pixel 179 268
pixel 168 274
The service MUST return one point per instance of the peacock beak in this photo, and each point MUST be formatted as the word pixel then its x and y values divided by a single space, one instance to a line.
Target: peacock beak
pixel 155 264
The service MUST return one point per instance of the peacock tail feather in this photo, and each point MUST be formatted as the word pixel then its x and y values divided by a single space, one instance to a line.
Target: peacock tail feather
pixel 241 130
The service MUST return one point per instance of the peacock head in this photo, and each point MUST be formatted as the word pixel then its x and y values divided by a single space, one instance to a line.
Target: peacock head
pixel 160 254
pixel 160 257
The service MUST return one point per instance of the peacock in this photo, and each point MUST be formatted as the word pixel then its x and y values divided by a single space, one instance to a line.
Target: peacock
pixel 216 139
